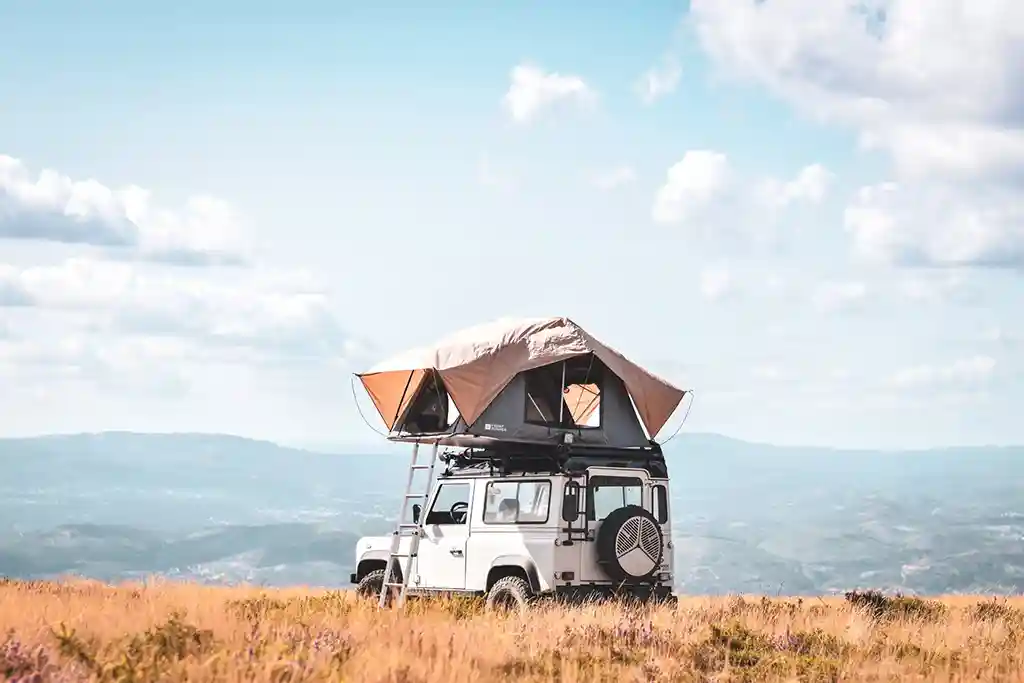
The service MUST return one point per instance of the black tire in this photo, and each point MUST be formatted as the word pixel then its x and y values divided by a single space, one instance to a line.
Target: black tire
pixel 630 544
pixel 369 586
pixel 509 593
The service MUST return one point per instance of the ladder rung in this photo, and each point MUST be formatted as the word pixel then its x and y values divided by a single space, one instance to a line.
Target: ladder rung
pixel 422 467
pixel 415 495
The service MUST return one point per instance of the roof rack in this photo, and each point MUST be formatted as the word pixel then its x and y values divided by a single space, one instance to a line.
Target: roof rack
pixel 505 459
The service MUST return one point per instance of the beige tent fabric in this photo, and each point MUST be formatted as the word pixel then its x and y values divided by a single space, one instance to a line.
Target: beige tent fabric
pixel 391 392
pixel 478 362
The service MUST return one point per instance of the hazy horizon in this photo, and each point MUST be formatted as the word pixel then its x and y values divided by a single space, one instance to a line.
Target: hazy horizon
pixel 746 517
pixel 378 444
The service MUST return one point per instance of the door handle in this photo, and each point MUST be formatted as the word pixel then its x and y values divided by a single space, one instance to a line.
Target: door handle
pixel 457 552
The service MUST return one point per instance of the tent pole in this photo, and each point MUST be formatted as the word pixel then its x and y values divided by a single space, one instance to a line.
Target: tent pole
pixel 561 396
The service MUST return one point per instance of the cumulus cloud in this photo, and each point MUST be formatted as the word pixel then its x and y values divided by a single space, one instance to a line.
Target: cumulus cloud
pixel 704 194
pixel 810 185
pixel 660 80
pixel 534 90
pixel 692 185
pixel 51 207
pixel 277 313
pixel 890 223
pixel 935 84
pixel 122 318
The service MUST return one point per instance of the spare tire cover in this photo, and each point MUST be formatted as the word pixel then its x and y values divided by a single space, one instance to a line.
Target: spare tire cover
pixel 630 544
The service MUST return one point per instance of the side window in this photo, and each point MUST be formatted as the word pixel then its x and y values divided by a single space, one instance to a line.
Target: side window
pixel 517 502
pixel 660 503
pixel 606 494
pixel 450 505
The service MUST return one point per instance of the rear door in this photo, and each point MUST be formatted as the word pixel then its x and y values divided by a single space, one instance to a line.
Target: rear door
pixel 608 489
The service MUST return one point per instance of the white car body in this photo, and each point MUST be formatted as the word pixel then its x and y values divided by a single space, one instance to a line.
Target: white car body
pixel 554 556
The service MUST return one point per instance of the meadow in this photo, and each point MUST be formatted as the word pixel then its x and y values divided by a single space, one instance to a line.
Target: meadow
pixel 162 631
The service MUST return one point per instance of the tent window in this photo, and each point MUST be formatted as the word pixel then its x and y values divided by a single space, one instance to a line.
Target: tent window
pixel 541 402
pixel 428 412
pixel 576 405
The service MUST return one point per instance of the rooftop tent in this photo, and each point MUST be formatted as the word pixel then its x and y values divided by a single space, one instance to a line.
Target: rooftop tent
pixel 505 379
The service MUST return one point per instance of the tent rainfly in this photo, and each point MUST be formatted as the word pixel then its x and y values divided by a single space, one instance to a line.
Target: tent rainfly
pixel 522 380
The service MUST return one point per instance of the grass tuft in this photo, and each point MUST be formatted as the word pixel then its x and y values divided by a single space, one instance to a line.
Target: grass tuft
pixel 60 632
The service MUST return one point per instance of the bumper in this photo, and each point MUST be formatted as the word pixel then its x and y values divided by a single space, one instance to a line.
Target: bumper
pixel 642 592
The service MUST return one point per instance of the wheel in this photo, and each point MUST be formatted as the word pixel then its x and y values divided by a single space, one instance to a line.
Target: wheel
pixel 369 586
pixel 630 544
pixel 508 593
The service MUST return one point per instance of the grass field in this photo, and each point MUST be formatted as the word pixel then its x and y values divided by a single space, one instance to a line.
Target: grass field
pixel 165 631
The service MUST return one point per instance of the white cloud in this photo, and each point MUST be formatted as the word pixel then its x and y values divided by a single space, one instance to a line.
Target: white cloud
pixel 692 184
pixel 716 283
pixel 906 225
pixel 962 373
pixel 660 80
pixel 55 208
pixel 534 90
pixel 810 185
pixel 934 83
pixel 938 288
pixel 281 314
pixel 840 296
pixel 616 177
pixel 706 196
pixel 131 365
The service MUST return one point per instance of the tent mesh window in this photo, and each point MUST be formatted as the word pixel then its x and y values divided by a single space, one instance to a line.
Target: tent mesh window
pixel 576 404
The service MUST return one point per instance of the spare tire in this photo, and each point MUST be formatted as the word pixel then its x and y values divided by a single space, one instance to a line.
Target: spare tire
pixel 630 544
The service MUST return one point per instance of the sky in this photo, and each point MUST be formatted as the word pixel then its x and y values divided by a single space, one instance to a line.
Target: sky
pixel 809 212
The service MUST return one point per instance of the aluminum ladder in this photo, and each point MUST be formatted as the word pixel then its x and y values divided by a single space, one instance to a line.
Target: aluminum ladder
pixel 406 528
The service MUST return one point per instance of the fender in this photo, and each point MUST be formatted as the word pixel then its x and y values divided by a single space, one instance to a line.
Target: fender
pixel 374 555
pixel 371 556
pixel 524 562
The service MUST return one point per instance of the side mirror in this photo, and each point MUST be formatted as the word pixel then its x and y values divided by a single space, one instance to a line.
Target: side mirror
pixel 571 501
pixel 416 510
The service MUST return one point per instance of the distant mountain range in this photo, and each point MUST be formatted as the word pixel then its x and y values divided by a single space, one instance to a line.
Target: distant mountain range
pixel 747 517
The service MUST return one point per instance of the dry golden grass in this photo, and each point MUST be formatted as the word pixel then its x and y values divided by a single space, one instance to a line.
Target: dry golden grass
pixel 165 631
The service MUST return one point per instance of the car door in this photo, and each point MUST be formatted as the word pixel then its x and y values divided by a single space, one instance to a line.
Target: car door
pixel 607 490
pixel 441 561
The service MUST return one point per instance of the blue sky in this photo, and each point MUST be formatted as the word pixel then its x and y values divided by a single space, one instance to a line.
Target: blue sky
pixel 815 224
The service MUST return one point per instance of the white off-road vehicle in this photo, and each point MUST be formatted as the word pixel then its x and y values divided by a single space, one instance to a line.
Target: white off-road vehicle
pixel 595 525
pixel 553 484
